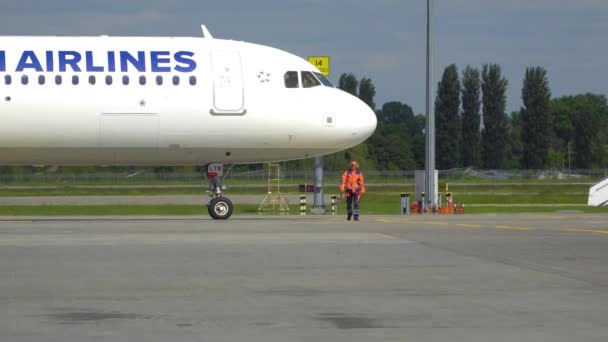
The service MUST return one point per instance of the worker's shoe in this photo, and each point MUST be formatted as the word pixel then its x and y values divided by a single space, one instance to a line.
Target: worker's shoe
pixel 356 217
pixel 348 217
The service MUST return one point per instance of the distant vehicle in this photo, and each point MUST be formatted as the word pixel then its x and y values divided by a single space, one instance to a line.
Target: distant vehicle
pixel 146 101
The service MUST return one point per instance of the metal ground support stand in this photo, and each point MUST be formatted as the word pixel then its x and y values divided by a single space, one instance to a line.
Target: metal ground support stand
pixel 220 207
pixel 274 202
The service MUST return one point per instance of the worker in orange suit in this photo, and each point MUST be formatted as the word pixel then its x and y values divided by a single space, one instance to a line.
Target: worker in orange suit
pixel 353 184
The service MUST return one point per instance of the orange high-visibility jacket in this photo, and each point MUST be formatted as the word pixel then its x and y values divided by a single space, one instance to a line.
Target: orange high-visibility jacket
pixel 353 180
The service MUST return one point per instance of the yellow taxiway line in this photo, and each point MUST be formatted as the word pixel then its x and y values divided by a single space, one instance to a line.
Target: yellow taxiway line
pixel 584 231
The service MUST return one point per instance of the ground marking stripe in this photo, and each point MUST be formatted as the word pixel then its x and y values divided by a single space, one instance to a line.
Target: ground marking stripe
pixel 436 223
pixel 584 231
pixel 560 217
pixel 397 221
pixel 387 221
pixel 510 227
pixel 547 217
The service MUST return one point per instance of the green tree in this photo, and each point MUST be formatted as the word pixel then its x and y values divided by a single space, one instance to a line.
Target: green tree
pixel 514 149
pixel 416 129
pixel 390 146
pixel 447 119
pixel 348 82
pixel 555 159
pixel 536 123
pixel 586 140
pixel 471 119
pixel 495 123
pixel 367 92
pixel 580 123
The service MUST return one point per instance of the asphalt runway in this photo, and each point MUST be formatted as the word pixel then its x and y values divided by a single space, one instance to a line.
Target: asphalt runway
pixel 386 278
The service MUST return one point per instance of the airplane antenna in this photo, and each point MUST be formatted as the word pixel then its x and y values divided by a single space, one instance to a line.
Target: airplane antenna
pixel 206 33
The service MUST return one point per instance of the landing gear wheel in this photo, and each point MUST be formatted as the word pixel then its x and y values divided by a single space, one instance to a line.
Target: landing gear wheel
pixel 220 208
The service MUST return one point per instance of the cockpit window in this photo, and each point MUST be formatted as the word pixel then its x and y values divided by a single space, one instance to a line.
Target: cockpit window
pixel 324 79
pixel 291 79
pixel 309 80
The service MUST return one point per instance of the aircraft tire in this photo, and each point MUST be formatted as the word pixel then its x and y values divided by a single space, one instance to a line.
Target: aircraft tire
pixel 220 208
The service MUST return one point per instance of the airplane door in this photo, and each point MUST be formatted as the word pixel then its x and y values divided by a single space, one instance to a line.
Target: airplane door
pixel 228 85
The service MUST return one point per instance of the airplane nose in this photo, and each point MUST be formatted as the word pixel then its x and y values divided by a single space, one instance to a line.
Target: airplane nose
pixel 365 121
pixel 370 121
pixel 355 123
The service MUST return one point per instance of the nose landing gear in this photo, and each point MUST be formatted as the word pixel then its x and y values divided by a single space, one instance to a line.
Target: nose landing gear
pixel 220 207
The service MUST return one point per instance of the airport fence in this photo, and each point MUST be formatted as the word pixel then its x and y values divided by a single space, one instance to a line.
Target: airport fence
pixel 260 177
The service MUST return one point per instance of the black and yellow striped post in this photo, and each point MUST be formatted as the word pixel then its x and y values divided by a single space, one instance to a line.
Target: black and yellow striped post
pixel 302 204
pixel 422 204
pixel 334 204
pixel 405 203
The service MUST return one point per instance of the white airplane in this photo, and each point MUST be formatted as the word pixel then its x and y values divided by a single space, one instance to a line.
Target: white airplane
pixel 151 101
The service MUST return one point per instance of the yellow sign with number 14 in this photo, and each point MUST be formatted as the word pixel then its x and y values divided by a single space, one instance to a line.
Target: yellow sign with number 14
pixel 321 63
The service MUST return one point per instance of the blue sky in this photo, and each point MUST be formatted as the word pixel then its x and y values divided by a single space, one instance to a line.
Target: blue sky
pixel 380 39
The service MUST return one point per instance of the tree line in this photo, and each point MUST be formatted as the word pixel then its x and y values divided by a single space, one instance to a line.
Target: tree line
pixel 473 128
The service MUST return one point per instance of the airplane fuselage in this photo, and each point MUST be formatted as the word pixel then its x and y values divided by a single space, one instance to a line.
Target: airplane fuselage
pixel 166 101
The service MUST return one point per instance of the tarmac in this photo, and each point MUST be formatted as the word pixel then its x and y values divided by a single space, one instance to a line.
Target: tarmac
pixel 292 278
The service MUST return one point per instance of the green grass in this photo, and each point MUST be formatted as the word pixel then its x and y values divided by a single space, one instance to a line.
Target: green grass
pixel 105 210
pixel 534 209
pixel 72 191
pixel 550 198
pixel 494 192
pixel 151 191
pixel 381 199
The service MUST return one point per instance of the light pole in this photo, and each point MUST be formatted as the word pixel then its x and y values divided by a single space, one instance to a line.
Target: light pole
pixel 430 113
pixel 569 165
